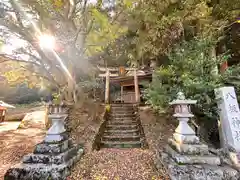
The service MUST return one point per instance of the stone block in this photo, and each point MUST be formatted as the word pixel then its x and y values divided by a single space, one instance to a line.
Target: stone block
pixel 186 139
pixel 46 148
pixel 189 148
pixel 230 173
pixel 197 172
pixel 41 171
pixel 213 172
pixel 178 172
pixel 50 158
pixel 56 138
pixel 192 159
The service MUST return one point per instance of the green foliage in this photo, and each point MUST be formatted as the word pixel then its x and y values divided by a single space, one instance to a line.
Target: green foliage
pixel 21 94
pixel 161 24
pixel 103 32
pixel 56 98
pixel 190 70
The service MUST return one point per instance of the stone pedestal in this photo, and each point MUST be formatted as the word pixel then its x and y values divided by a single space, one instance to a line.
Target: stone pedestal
pixel 193 161
pixel 57 131
pixel 51 159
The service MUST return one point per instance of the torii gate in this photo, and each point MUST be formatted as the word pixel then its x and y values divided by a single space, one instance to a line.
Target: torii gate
pixel 115 72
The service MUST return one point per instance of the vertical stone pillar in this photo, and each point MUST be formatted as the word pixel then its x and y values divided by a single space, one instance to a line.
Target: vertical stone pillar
pixel 137 97
pixel 107 86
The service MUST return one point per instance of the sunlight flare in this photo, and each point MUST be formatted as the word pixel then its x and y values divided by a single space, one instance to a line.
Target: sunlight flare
pixel 46 41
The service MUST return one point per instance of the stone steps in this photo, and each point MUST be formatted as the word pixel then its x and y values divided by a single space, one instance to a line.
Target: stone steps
pixel 121 137
pixel 124 122
pixel 122 119
pixel 120 132
pixel 122 127
pixel 120 144
pixel 122 105
pixel 122 115
pixel 122 110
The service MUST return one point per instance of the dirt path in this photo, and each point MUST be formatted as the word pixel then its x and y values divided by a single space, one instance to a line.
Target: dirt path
pixel 15 143
pixel 117 164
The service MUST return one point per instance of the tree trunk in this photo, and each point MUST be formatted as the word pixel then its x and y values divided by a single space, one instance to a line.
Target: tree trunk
pixel 214 71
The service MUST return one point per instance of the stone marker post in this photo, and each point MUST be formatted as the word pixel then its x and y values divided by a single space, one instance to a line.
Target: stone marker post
pixel 229 122
pixel 229 117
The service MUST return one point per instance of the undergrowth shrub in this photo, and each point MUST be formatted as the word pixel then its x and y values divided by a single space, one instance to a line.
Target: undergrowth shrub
pixel 192 70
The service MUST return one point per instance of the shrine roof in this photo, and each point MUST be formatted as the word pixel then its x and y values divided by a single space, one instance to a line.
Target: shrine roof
pixel 131 78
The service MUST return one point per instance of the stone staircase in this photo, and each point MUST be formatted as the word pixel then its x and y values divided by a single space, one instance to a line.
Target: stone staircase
pixel 122 128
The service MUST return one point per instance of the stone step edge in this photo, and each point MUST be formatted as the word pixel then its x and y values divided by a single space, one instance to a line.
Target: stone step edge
pixel 122 130
pixel 120 142
pixel 123 120
pixel 121 125
pixel 187 159
pixel 121 137
pixel 137 133
pixel 122 115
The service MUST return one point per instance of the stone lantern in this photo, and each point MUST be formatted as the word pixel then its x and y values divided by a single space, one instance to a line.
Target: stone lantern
pixel 185 157
pixel 59 108
pixel 182 111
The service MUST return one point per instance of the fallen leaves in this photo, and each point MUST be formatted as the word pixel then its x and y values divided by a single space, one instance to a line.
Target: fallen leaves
pixel 111 164
pixel 15 144
pixel 126 164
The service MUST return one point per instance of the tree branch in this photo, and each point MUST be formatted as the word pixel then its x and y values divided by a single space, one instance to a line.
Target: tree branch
pixel 52 80
pixel 72 8
pixel 17 12
pixel 84 7
pixel 88 30
pixel 5 58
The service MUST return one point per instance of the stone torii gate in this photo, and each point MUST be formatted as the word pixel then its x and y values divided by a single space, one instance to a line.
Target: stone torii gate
pixel 116 72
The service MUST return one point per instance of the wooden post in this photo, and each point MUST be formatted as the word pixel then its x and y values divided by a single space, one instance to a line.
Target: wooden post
pixel 46 116
pixel 121 93
pixel 107 86
pixel 136 86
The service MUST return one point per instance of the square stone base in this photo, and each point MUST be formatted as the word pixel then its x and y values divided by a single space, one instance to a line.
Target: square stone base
pixel 186 139
pixel 51 158
pixel 49 148
pixel 40 171
pixel 195 172
pixel 200 149
pixel 192 159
